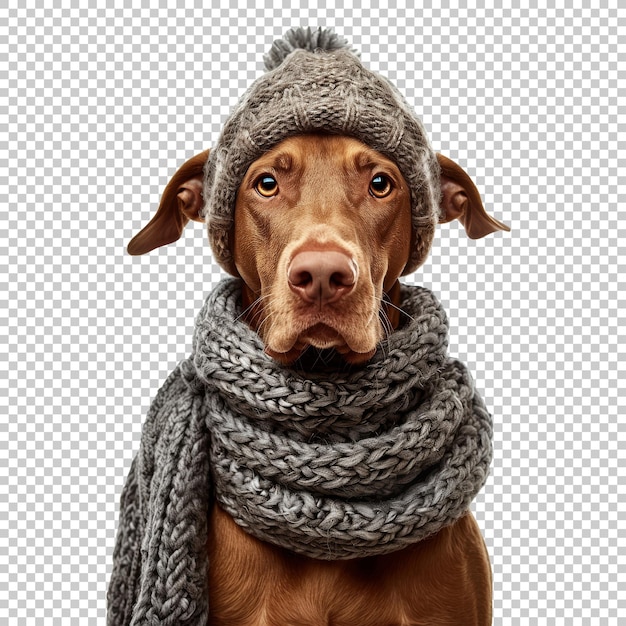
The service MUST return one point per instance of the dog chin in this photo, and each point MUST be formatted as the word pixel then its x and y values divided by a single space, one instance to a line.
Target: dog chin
pixel 321 337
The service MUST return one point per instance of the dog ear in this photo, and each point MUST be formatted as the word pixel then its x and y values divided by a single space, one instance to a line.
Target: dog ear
pixel 181 201
pixel 460 200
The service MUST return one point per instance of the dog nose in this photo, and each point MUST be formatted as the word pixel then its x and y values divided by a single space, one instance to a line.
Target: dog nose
pixel 321 276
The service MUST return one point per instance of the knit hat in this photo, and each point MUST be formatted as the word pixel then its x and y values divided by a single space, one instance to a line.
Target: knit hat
pixel 316 84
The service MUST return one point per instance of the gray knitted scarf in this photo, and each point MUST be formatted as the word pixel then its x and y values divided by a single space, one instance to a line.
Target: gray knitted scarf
pixel 361 463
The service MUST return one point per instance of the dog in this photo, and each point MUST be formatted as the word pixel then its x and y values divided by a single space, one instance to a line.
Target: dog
pixel 322 233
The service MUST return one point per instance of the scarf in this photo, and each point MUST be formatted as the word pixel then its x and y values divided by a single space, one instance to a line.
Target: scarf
pixel 354 464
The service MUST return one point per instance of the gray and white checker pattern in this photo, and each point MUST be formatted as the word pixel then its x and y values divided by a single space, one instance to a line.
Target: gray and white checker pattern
pixel 99 105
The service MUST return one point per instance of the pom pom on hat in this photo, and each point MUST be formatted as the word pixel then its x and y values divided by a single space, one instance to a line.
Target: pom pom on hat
pixel 303 39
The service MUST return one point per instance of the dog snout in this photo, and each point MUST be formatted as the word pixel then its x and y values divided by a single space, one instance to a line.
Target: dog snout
pixel 321 276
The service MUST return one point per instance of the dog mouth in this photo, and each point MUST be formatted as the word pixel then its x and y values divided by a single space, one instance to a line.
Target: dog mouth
pixel 322 336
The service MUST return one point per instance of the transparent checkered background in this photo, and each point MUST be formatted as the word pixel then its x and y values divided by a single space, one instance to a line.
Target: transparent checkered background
pixel 98 107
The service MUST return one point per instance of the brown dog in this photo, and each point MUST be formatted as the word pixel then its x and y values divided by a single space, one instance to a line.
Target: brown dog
pixel 322 233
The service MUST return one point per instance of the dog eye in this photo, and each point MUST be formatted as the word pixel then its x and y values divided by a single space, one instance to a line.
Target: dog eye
pixel 380 186
pixel 267 186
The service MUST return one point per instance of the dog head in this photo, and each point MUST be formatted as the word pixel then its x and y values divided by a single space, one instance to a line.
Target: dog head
pixel 320 192
pixel 322 232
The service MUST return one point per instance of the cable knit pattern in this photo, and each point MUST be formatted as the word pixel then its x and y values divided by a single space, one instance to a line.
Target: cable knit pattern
pixel 369 462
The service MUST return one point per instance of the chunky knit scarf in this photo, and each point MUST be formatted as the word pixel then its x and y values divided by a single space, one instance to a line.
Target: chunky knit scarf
pixel 333 467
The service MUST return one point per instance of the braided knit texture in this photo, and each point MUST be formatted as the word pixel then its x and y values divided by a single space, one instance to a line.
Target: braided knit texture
pixel 365 463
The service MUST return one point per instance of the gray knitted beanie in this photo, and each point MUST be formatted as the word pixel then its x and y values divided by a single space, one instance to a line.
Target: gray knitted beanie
pixel 316 84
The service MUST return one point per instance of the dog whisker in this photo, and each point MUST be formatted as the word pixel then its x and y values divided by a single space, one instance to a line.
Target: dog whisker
pixel 264 315
pixel 385 300
pixel 260 315
pixel 260 327
pixel 251 307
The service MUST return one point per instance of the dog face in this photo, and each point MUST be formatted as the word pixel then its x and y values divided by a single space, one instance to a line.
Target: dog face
pixel 322 231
